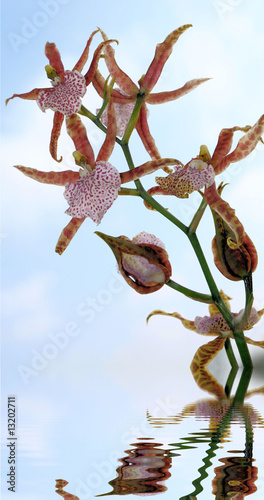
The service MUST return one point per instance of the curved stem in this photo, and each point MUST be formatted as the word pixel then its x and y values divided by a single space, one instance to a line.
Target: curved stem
pixel 201 297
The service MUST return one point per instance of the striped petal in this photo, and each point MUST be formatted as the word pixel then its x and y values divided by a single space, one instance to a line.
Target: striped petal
pixel 145 135
pixel 93 67
pixel 162 97
pixel 109 142
pixel 186 322
pixel 55 134
pixel 121 78
pixel 78 134
pixel 162 53
pixel 68 233
pixel 56 178
pixel 84 57
pixel 147 168
pixel 53 55
pixel 244 147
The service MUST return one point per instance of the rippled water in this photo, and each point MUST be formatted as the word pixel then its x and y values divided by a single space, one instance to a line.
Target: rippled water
pixel 107 442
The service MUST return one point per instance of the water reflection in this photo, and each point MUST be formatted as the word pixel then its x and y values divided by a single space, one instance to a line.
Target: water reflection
pixel 235 478
pixel 146 467
pixel 144 470
pixel 60 484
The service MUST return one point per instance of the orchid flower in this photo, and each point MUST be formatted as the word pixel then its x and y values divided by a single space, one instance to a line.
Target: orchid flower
pixel 142 261
pixel 200 172
pixel 128 91
pixel 68 87
pixel 91 191
pixel 216 325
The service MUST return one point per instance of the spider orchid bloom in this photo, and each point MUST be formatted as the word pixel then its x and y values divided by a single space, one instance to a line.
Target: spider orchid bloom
pixel 200 172
pixel 128 91
pixel 142 261
pixel 91 191
pixel 68 87
pixel 215 324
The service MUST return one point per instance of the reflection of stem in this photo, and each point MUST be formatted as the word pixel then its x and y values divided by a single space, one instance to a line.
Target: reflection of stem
pixel 236 406
pixel 210 454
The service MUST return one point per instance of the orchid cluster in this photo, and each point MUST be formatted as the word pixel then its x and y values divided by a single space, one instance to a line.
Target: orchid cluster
pixel 96 184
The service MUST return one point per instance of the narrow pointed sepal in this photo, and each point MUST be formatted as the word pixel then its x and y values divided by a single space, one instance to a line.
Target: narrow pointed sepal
pixel 163 97
pixel 68 233
pixel 162 53
pixel 78 134
pixel 55 134
pixel 56 178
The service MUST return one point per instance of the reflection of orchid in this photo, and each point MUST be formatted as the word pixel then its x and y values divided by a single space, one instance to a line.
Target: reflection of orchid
pixel 199 173
pixel 64 98
pixel 143 262
pixel 60 484
pixel 128 91
pixel 143 471
pixel 236 478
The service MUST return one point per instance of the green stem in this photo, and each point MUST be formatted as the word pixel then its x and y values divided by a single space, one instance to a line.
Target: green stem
pixel 128 192
pixel 243 385
pixel 201 297
pixel 234 367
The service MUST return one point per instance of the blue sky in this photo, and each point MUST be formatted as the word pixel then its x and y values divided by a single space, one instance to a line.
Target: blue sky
pixel 46 296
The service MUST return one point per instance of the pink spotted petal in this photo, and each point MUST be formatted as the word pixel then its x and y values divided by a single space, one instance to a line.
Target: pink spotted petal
pixel 65 96
pixel 139 267
pixel 217 324
pixel 94 193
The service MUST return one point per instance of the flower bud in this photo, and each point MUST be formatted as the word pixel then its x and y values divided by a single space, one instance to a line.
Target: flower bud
pixel 143 262
pixel 233 263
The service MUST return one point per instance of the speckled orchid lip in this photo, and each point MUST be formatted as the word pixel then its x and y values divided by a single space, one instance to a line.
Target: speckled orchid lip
pixel 184 180
pixel 65 96
pixel 93 193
